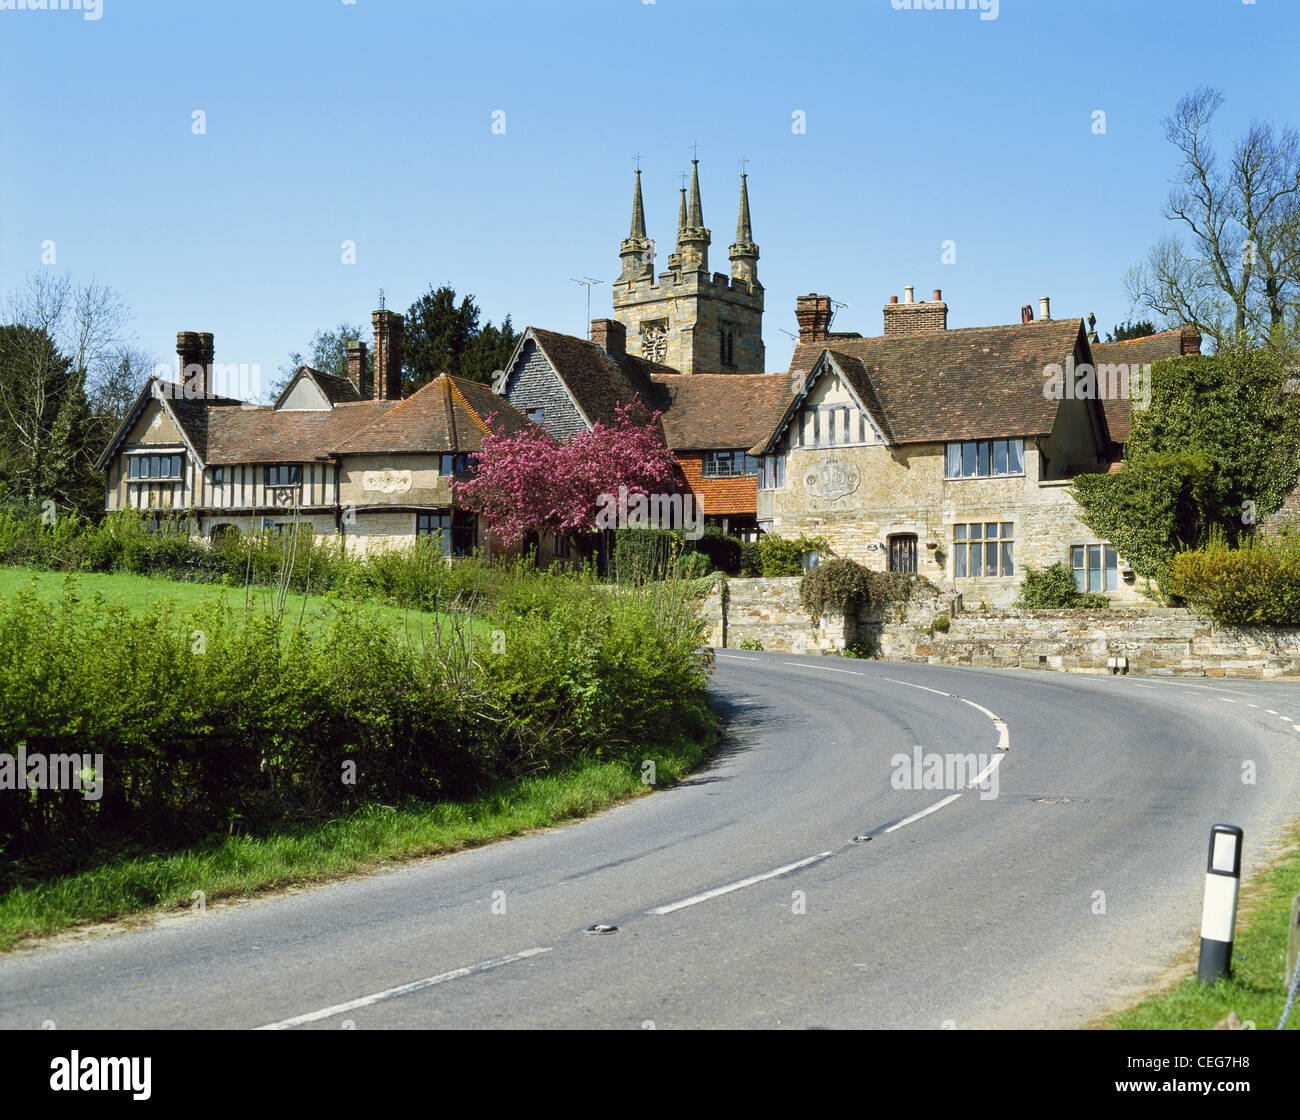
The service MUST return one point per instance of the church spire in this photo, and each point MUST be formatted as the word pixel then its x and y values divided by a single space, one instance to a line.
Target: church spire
pixel 744 253
pixel 637 250
pixel 638 210
pixel 692 238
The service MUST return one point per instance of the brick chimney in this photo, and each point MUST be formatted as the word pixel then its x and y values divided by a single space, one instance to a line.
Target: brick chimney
pixel 814 315
pixel 913 317
pixel 388 355
pixel 1191 341
pixel 194 350
pixel 610 335
pixel 358 374
pixel 1026 314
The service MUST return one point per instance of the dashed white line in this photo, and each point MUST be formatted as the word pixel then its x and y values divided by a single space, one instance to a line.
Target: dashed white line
pixel 736 657
pixel 402 990
pixel 698 898
pixel 923 813
pixel 824 668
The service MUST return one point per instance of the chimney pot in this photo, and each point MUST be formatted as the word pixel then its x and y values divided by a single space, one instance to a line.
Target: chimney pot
pixel 909 294
pixel 938 296
pixel 1026 314
pixel 1044 308
pixel 893 299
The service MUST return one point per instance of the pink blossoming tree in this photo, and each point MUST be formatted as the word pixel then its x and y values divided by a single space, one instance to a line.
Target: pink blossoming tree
pixel 530 482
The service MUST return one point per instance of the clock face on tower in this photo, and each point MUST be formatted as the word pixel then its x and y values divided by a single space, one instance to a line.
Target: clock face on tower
pixel 654 341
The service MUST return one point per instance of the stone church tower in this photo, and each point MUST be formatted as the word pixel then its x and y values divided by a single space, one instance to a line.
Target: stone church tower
pixel 686 318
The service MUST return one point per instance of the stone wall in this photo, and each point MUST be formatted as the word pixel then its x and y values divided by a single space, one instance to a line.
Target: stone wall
pixel 1151 641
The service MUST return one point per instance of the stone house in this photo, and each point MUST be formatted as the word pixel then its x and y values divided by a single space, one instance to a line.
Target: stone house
pixel 343 457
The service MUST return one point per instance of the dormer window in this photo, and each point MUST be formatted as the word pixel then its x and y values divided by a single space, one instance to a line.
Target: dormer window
pixel 984 458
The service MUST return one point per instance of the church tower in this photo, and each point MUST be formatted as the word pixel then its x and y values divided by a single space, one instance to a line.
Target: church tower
pixel 687 318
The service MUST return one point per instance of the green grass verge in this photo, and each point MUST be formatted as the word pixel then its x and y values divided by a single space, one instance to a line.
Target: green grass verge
pixel 1256 990
pixel 371 837
pixel 140 593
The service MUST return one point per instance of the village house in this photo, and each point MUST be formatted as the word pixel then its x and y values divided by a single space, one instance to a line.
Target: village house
pixel 336 456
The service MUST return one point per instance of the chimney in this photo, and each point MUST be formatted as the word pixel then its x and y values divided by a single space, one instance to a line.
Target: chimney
pixel 388 355
pixel 911 317
pixel 1191 340
pixel 1044 307
pixel 814 315
pixel 357 372
pixel 610 335
pixel 194 351
pixel 1026 314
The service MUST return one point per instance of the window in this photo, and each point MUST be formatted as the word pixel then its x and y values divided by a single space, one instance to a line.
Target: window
pixel 284 474
pixel 772 475
pixel 536 415
pixel 560 548
pixel 154 466
pixel 983 548
pixel 729 464
pixel 456 464
pixel 220 476
pixel 456 530
pixel 984 458
pixel 1096 567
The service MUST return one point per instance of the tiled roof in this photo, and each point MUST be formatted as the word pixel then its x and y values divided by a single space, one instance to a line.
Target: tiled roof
pixel 597 381
pixel 969 383
pixel 336 389
pixel 1133 351
pixel 262 435
pixel 714 411
pixel 446 415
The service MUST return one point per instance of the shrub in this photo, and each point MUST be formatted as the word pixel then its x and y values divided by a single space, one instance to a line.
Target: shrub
pixel 845 585
pixel 751 643
pixel 644 554
pixel 1258 582
pixel 723 552
pixel 751 559
pixel 780 556
pixel 1052 588
pixel 942 624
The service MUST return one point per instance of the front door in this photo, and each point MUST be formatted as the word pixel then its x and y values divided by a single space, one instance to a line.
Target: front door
pixel 902 553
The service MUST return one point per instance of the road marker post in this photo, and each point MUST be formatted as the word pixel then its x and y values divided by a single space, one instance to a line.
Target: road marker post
pixel 1219 913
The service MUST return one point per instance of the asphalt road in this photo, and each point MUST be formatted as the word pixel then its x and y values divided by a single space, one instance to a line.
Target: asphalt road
pixel 961 910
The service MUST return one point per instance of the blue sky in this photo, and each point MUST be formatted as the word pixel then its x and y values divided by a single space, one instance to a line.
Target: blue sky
pixel 372 122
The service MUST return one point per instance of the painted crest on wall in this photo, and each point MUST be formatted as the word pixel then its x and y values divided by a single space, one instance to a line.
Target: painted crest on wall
pixel 386 482
pixel 831 479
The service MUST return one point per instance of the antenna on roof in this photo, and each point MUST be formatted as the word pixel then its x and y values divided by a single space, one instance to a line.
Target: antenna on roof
pixel 587 282
pixel 381 299
pixel 790 333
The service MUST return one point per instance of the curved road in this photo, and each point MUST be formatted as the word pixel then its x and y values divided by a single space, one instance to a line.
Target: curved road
pixel 742 897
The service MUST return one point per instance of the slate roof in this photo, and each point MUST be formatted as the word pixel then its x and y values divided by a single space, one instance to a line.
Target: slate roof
pixel 448 414
pixel 597 381
pixel 715 411
pixel 1133 351
pixel 968 383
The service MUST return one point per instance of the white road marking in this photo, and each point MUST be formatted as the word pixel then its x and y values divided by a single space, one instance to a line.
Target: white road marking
pixel 824 668
pixel 924 812
pixel 404 989
pixel 736 657
pixel 1226 700
pixel 1004 736
pixel 1270 711
pixel 697 898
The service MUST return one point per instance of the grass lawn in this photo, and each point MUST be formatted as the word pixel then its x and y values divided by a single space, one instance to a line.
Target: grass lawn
pixel 142 592
pixel 371 838
pixel 1256 991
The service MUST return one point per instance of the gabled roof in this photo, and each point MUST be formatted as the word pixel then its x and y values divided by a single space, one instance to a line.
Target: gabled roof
pixel 968 383
pixel 596 381
pixel 333 388
pixel 448 414
pixel 189 415
pixel 1134 351
pixel 716 411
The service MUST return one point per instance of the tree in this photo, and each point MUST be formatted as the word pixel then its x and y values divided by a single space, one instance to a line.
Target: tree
pixel 1237 278
pixel 1217 448
pixel 113 388
pixel 1131 328
pixel 57 337
pixel 443 336
pixel 529 482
